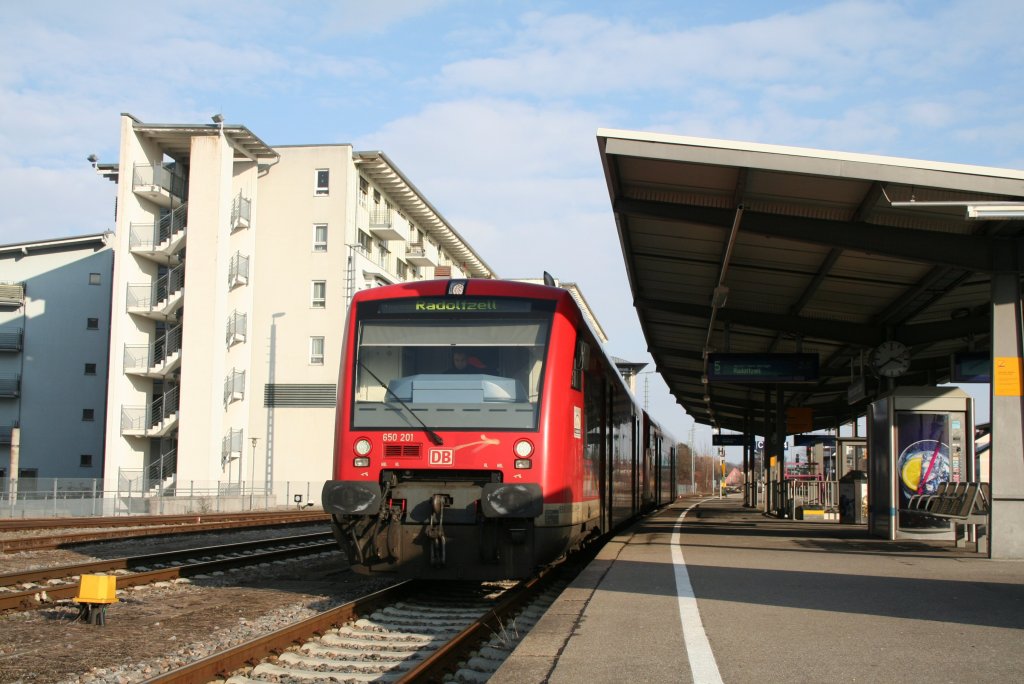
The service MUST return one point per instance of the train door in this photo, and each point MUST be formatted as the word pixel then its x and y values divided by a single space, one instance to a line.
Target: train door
pixel 596 453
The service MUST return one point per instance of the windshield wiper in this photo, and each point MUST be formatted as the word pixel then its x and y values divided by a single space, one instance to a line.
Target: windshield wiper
pixel 434 437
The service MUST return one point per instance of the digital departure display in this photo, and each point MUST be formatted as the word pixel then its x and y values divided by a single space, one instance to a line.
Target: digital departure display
pixel 461 305
pixel 762 367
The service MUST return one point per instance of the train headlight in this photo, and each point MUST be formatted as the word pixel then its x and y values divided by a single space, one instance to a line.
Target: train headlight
pixel 360 462
pixel 362 446
pixel 523 464
pixel 523 449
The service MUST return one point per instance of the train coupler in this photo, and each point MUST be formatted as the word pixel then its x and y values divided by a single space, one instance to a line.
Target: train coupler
pixel 435 531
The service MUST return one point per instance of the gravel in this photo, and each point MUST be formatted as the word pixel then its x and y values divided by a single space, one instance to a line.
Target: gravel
pixel 160 627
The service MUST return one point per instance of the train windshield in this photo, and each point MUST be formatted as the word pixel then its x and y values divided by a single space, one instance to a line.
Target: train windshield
pixel 450 364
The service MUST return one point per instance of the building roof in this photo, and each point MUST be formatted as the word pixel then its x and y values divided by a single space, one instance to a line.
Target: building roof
pixel 97 240
pixel 745 248
pixel 175 139
pixel 412 203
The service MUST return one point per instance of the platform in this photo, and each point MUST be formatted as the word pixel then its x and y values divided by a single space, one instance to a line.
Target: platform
pixel 775 600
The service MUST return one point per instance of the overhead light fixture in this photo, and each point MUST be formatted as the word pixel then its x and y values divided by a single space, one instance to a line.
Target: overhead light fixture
pixel 994 212
pixel 719 297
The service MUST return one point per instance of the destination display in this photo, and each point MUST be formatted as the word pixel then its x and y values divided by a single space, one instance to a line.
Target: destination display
pixel 762 367
pixel 462 305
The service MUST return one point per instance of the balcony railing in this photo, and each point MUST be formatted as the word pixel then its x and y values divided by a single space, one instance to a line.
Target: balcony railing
pixel 12 341
pixel 155 420
pixel 161 239
pixel 162 470
pixel 159 297
pixel 237 322
pixel 10 386
pixel 238 270
pixel 231 446
pixel 161 183
pixel 12 294
pixel 155 359
pixel 234 386
pixel 416 254
pixel 241 212
pixel 382 224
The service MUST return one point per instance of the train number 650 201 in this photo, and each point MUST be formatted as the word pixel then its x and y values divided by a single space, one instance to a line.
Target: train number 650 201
pixel 397 437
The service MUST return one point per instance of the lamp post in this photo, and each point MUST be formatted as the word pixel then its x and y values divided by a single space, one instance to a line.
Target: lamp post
pixel 252 469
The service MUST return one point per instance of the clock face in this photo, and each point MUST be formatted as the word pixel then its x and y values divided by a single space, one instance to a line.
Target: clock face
pixel 890 359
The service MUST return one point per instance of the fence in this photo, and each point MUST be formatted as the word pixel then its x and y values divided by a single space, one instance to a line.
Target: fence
pixel 67 497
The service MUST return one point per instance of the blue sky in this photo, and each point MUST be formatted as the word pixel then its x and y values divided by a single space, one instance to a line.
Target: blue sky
pixel 492 108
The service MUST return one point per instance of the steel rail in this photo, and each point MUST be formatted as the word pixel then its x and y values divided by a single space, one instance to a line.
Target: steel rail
pixel 21 524
pixel 32 598
pixel 57 541
pixel 222 664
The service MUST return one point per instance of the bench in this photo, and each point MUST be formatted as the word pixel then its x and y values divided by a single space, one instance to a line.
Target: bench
pixel 961 503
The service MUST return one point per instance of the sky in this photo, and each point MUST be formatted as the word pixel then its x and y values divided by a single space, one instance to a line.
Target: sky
pixel 492 108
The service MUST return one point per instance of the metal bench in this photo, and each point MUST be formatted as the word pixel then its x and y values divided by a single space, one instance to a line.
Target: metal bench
pixel 961 503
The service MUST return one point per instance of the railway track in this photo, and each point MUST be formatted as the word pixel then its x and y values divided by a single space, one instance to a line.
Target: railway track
pixel 31 589
pixel 414 631
pixel 65 530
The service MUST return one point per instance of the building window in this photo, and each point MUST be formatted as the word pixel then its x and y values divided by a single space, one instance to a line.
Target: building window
pixel 90 369
pixel 320 237
pixel 364 189
pixel 323 181
pixel 382 255
pixel 316 351
pixel 92 324
pixel 88 414
pixel 319 294
pixel 376 196
pixel 402 269
pixel 85 460
pixel 365 243
pixel 95 279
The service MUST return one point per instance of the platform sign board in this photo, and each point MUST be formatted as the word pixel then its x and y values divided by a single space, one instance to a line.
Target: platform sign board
pixel 731 440
pixel 971 367
pixel 762 368
pixel 811 440
pixel 799 419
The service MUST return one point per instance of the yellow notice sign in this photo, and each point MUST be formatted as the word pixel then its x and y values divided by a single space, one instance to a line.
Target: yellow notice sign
pixel 773 461
pixel 1006 374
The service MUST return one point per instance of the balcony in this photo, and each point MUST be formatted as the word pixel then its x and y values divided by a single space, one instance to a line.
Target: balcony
pixel 10 386
pixel 161 299
pixel 234 387
pixel 155 360
pixel 162 184
pixel 238 271
pixel 160 241
pixel 231 446
pixel 382 224
pixel 156 420
pixel 416 254
pixel 12 294
pixel 12 341
pixel 236 328
pixel 241 213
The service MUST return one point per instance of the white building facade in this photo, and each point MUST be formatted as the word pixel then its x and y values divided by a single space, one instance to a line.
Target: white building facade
pixel 235 266
pixel 54 323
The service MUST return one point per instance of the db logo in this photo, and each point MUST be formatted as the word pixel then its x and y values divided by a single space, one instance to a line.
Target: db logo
pixel 441 457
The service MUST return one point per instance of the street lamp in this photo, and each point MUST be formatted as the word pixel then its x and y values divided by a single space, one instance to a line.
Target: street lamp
pixel 252 468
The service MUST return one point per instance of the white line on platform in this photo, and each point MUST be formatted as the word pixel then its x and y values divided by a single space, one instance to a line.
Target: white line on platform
pixel 702 661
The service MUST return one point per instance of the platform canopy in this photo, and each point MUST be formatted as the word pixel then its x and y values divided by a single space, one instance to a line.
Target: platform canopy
pixel 760 250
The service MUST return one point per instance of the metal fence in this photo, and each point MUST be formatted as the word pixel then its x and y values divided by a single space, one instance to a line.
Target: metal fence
pixel 68 497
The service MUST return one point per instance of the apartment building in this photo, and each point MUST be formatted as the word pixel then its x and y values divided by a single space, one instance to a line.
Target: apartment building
pixel 236 263
pixel 54 322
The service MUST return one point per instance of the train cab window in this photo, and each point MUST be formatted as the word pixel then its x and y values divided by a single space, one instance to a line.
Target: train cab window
pixel 460 369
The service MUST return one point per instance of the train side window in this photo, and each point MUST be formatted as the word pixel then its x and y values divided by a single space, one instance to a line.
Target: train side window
pixel 579 363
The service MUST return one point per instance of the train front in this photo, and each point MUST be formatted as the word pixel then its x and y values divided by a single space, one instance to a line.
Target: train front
pixel 438 431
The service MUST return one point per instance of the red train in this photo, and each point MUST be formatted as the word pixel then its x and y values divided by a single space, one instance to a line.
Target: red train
pixel 482 432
